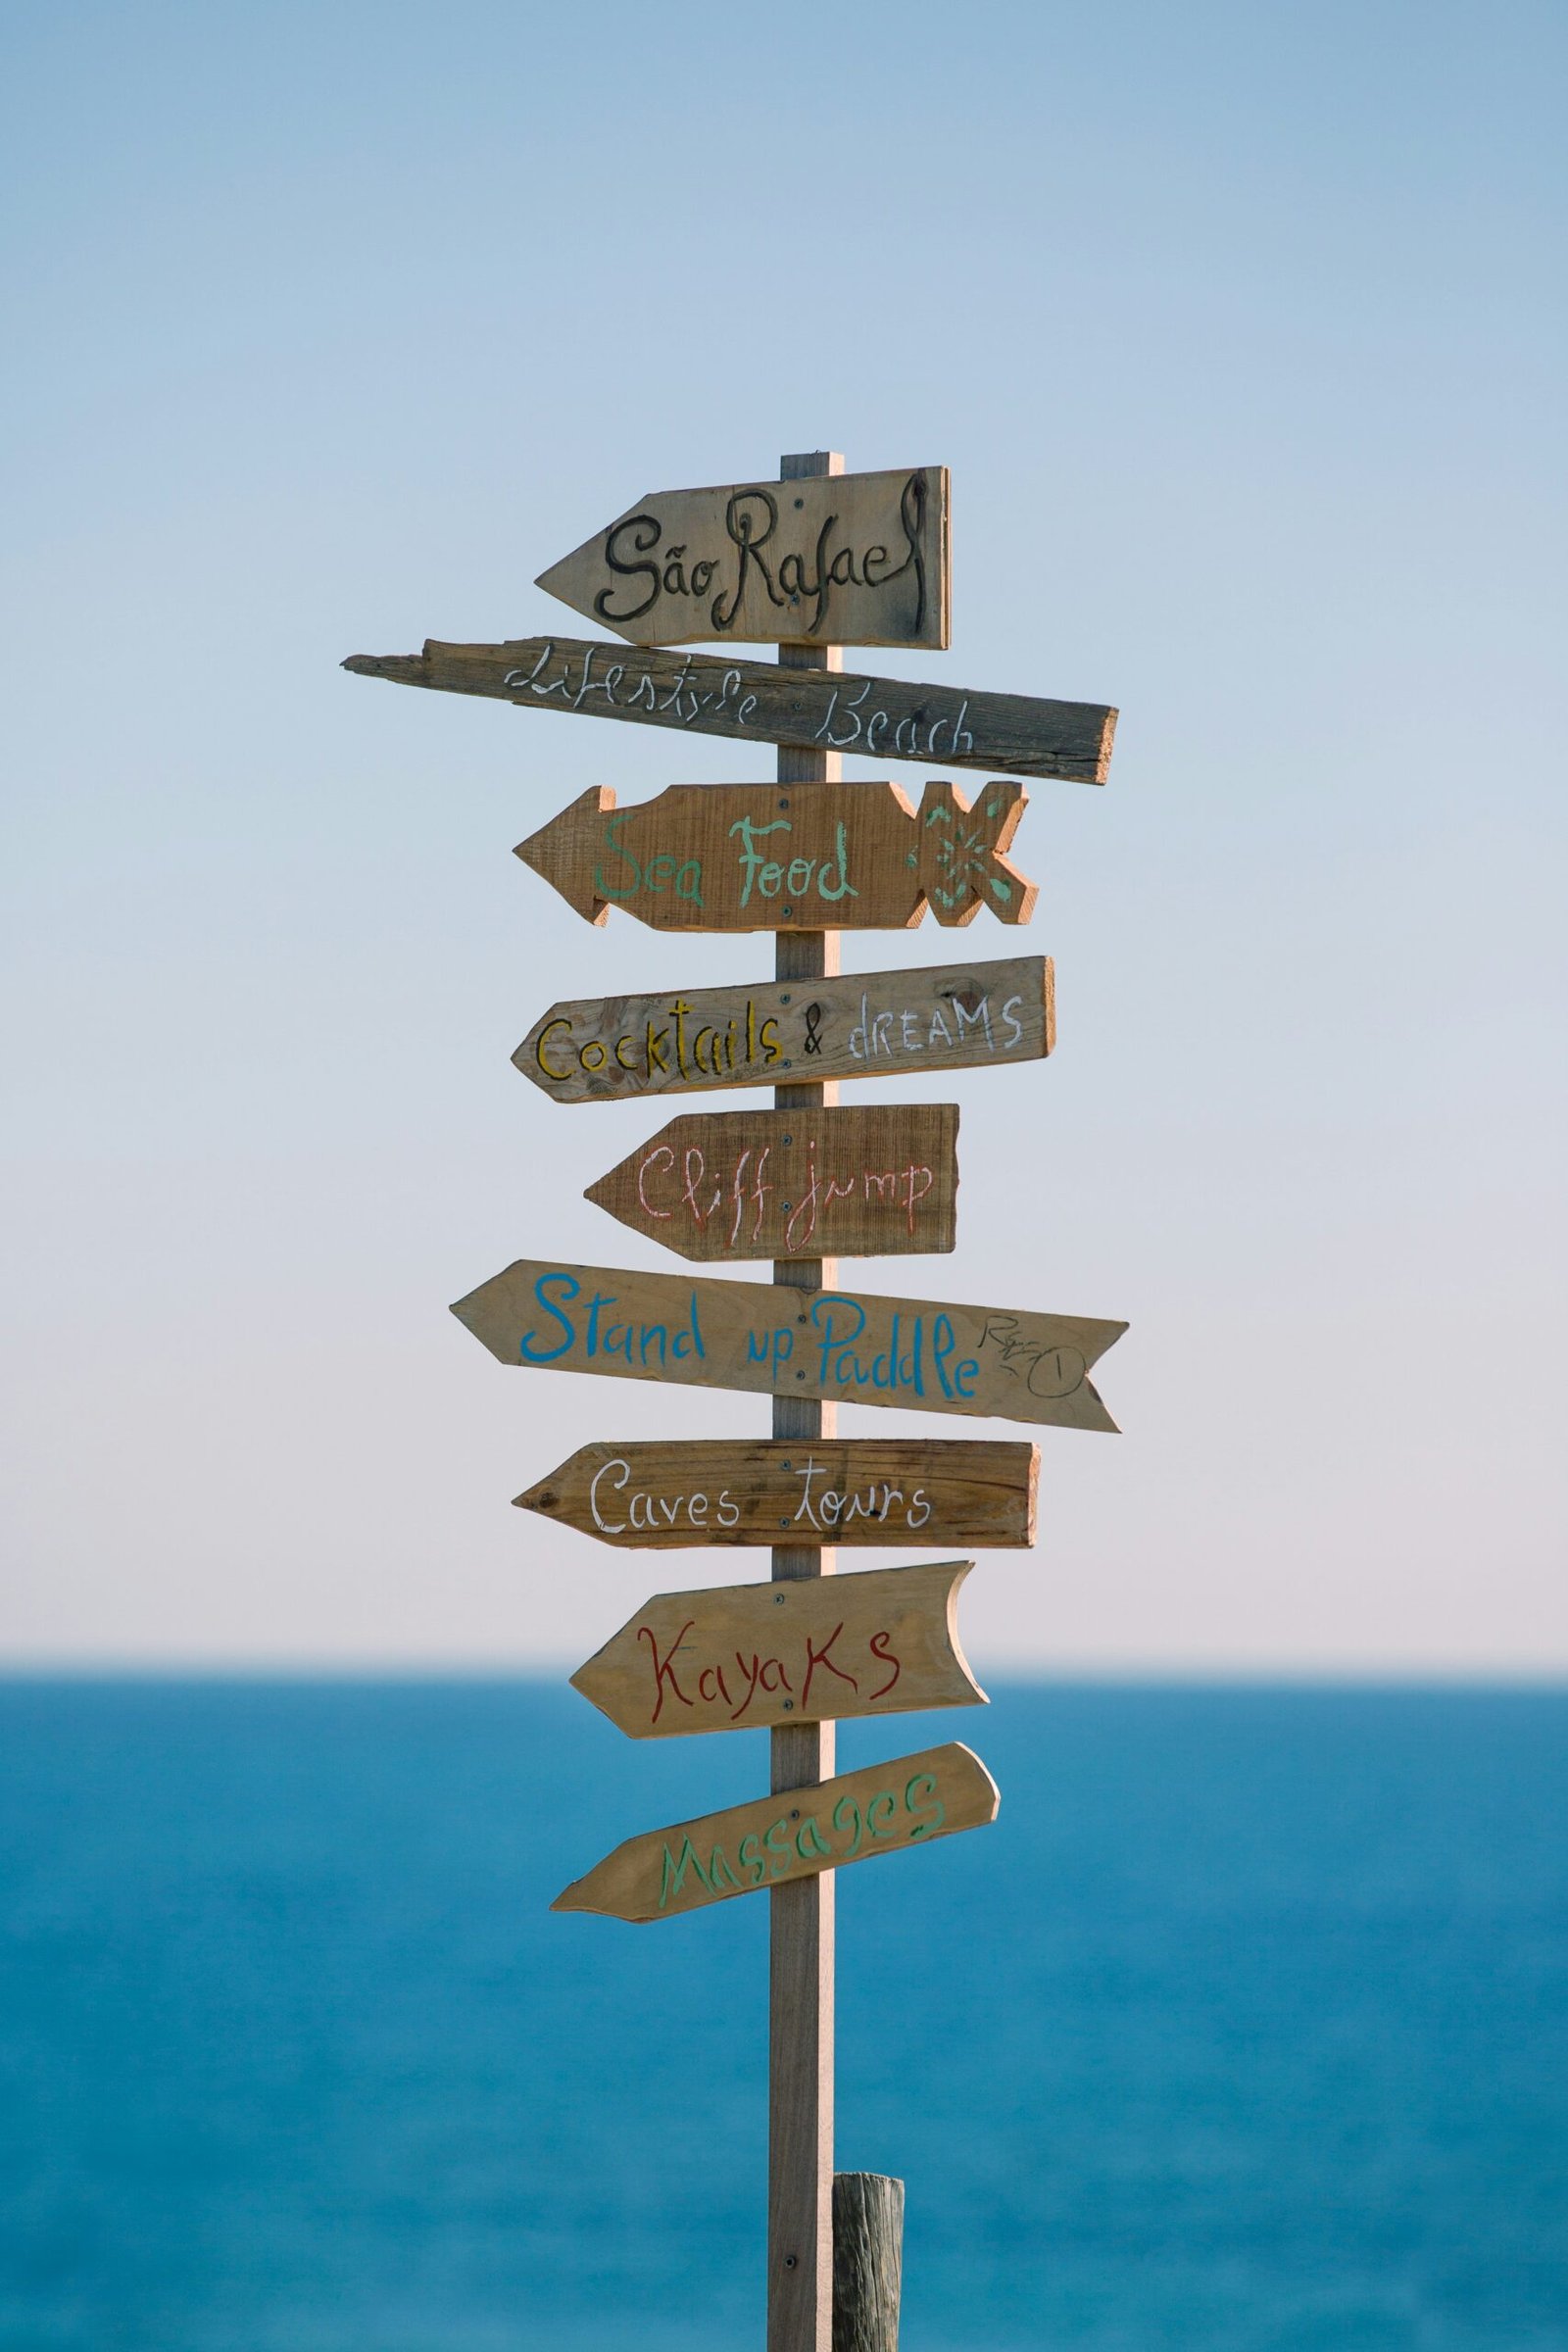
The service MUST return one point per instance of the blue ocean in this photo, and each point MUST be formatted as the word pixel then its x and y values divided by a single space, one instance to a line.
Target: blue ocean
pixel 1246 2028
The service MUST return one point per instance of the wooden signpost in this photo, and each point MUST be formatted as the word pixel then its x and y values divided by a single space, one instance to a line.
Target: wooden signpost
pixel 880 1644
pixel 773 1841
pixel 691 1332
pixel 802 707
pixel 865 1025
pixel 815 560
pixel 660 1498
pixel 864 1183
pixel 857 557
pixel 755 857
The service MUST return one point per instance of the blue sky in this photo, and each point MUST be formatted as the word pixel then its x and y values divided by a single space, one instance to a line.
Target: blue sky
pixel 1241 331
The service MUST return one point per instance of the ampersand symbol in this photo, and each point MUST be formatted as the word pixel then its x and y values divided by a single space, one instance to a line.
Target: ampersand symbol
pixel 814 1022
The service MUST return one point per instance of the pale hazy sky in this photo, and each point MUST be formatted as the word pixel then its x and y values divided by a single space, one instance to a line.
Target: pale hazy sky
pixel 1241 331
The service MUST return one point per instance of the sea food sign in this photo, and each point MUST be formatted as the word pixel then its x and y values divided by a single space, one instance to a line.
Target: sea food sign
pixel 850 558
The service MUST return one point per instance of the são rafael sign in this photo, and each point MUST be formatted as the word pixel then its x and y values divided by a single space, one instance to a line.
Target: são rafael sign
pixel 861 558
pixel 810 563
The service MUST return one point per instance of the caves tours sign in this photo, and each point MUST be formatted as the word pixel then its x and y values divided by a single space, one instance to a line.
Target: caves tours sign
pixel 802 1491
pixel 871 1025
pixel 787 858
pixel 850 558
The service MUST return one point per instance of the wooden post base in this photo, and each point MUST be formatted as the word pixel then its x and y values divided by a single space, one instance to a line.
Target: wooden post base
pixel 867 2262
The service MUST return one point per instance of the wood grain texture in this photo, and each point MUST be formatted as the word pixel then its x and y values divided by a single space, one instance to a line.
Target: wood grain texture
pixel 786 856
pixel 867 1182
pixel 862 1025
pixel 794 1650
pixel 801 1926
pixel 867 2262
pixel 690 1330
pixel 718 1494
pixel 885 1809
pixel 855 559
pixel 807 707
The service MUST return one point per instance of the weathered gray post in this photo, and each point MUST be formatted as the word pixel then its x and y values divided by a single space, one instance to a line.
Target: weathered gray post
pixel 800 2253
pixel 867 2262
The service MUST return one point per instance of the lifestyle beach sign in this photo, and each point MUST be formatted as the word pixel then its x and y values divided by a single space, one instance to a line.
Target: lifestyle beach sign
pixel 749 702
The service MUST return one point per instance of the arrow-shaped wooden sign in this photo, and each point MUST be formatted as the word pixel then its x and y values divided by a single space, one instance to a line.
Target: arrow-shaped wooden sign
pixel 751 701
pixel 848 558
pixel 803 1650
pixel 863 1025
pixel 690 1332
pixel 867 1182
pixel 786 856
pixel 775 1839
pixel 804 1492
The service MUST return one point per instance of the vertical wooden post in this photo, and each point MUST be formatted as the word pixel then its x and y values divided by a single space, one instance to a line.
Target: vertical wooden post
pixel 867 2262
pixel 800 2118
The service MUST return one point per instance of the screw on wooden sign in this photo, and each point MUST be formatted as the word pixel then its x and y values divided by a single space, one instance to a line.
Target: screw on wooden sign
pixel 843 1346
pixel 748 701
pixel 867 1025
pixel 800 1492
pixel 871 1180
pixel 879 1643
pixel 787 858
pixel 860 559
pixel 795 1834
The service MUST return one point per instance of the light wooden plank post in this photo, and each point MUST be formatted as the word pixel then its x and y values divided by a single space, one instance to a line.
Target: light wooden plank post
pixel 799 2116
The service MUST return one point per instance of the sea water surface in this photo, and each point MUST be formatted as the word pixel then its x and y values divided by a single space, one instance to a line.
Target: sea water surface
pixel 1245 2029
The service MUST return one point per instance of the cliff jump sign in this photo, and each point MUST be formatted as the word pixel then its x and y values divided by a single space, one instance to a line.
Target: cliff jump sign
pixel 879 1180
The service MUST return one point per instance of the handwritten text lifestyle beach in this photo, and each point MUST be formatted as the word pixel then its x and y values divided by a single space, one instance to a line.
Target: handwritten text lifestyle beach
pixel 840 720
